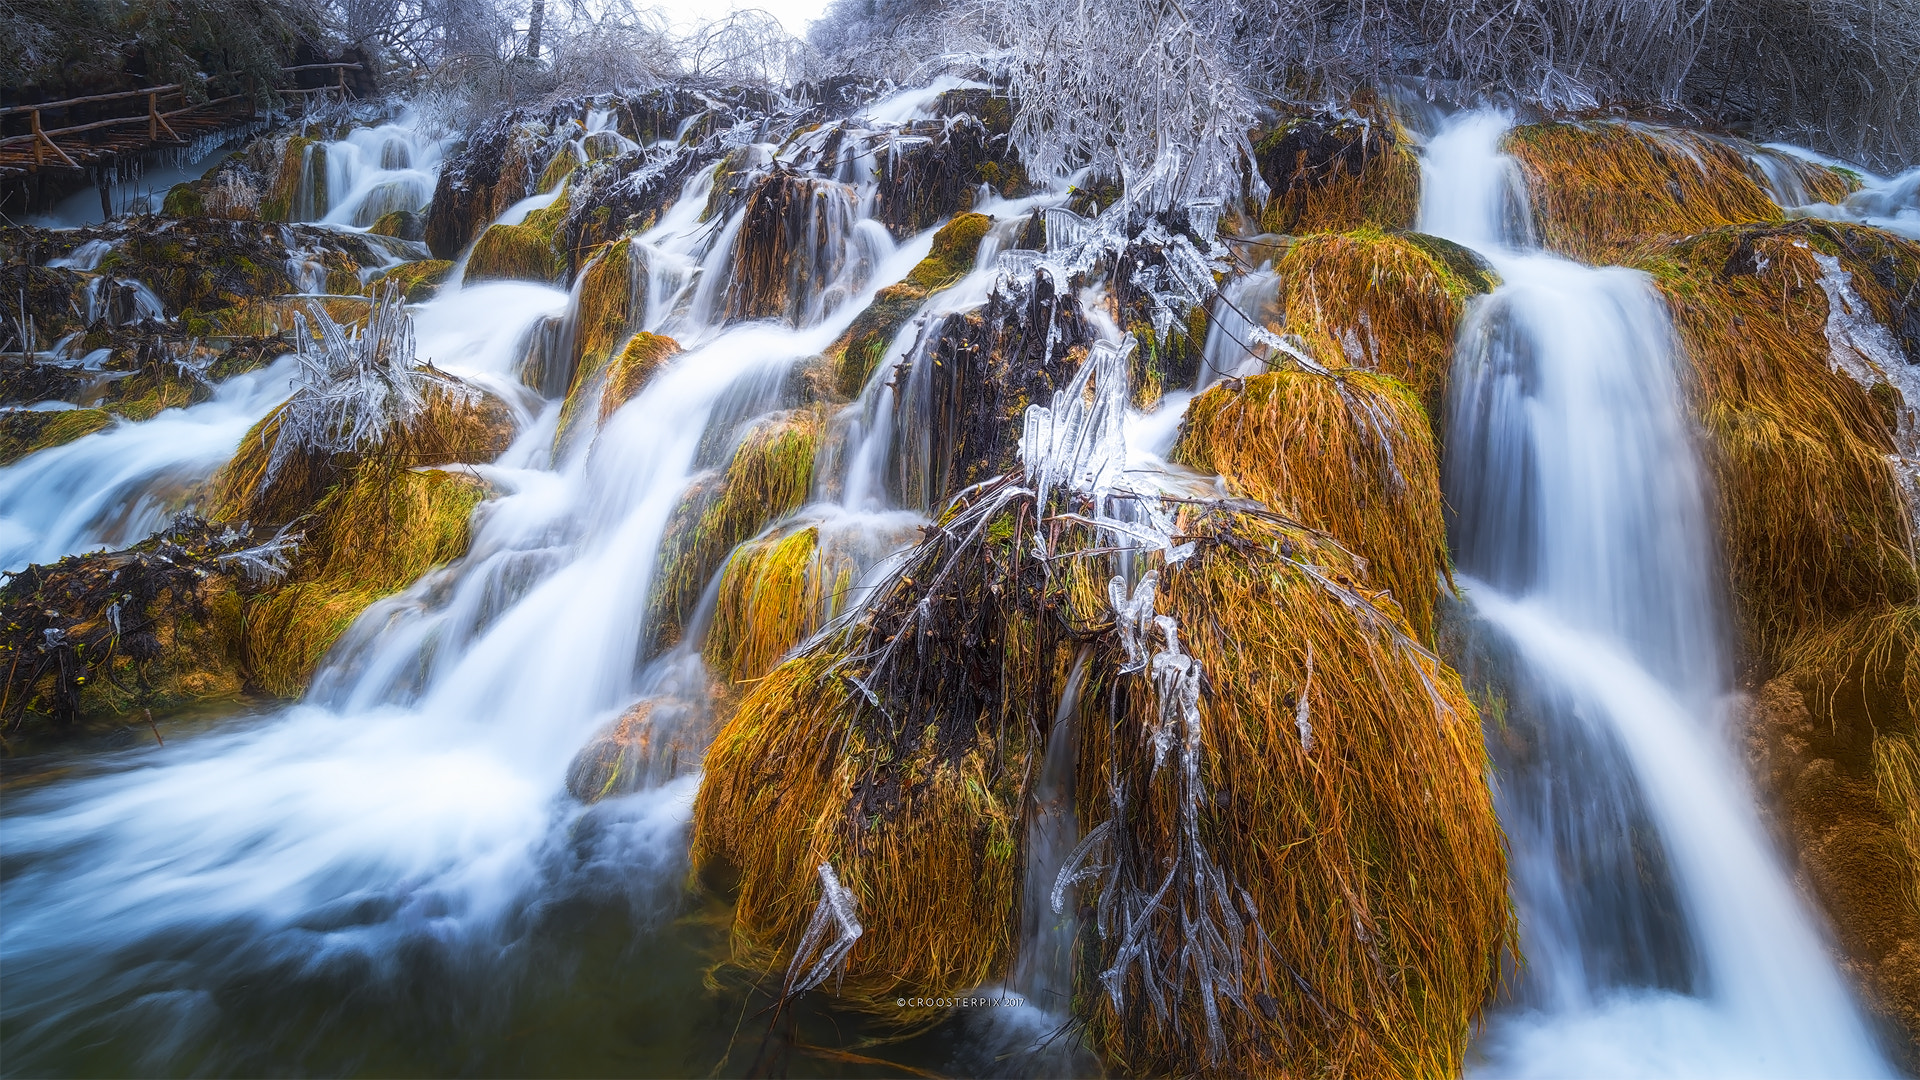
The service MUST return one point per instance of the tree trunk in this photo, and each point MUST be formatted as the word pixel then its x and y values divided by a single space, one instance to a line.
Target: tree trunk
pixel 533 28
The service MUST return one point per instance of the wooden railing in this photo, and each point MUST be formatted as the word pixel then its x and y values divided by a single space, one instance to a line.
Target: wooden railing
pixel 47 152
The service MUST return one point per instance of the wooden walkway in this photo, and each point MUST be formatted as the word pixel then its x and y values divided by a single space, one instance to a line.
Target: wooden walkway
pixel 148 124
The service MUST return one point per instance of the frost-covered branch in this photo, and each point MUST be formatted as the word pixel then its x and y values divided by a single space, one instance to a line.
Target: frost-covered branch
pixel 353 386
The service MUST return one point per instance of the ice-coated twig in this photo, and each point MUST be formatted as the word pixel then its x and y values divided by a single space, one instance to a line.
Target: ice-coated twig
pixel 834 914
pixel 353 387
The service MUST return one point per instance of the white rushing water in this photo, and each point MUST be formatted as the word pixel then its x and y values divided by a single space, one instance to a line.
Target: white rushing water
pixel 121 484
pixel 1662 936
pixel 416 801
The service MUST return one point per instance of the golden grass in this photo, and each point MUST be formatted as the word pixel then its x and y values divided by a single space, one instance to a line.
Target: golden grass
pixel 277 204
pixel 455 427
pixel 1813 520
pixel 529 251
pixel 1332 176
pixel 1373 855
pixel 768 478
pixel 1602 190
pixel 1389 303
pixel 858 351
pixel 639 360
pixel 898 748
pixel 1351 454
pixel 1896 774
pixel 775 592
pixel 926 843
pixel 372 535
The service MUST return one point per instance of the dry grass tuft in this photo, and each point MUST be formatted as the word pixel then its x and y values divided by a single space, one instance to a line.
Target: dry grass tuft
pixel 1389 303
pixel 1813 519
pixel 899 745
pixel 1602 190
pixel 372 535
pixel 1371 851
pixel 768 478
pixel 1351 454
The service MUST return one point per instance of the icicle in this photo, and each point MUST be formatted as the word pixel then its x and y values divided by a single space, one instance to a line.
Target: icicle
pixel 835 912
pixel 1300 719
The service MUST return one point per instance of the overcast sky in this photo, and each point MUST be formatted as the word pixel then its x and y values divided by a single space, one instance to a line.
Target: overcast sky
pixel 793 14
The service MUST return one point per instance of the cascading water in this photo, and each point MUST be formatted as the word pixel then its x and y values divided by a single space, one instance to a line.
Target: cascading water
pixel 118 486
pixel 1661 936
pixel 409 820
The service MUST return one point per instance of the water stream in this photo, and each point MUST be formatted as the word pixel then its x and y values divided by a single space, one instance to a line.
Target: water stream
pixel 1662 936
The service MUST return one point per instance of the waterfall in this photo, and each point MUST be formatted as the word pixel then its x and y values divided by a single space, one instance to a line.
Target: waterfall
pixel 119 485
pixel 1662 936
pixel 409 820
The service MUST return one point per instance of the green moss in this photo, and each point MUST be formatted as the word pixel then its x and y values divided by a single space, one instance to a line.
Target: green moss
pixel 23 433
pixel 418 281
pixel 562 166
pixel 529 251
pixel 955 247
pixel 182 201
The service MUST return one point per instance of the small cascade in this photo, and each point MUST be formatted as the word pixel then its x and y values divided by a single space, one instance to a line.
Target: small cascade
pixel 1661 935
pixel 1043 973
pixel 1246 302
pixel 121 484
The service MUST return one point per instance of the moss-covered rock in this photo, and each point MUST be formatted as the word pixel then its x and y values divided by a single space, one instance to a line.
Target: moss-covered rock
pixel 24 431
pixel 650 744
pixel 183 200
pixel 401 225
pixel 1331 174
pixel 860 349
pixel 418 281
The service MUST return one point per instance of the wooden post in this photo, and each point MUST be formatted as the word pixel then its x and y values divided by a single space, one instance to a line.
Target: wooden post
pixel 153 117
pixel 39 156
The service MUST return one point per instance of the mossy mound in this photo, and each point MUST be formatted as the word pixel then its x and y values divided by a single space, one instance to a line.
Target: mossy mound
pixel 459 424
pixel 606 316
pixel 955 247
pixel 775 591
pixel 182 201
pixel 639 360
pixel 1600 191
pixel 373 534
pixel 121 633
pixel 767 478
pixel 401 225
pixel 202 265
pixel 47 294
pixel 418 281
pixel 24 432
pixel 530 251
pixel 1328 174
pixel 1350 454
pixel 1386 302
pixel 648 745
pixel 775 265
pixel 1814 521
pixel 1348 798
pixel 1338 785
